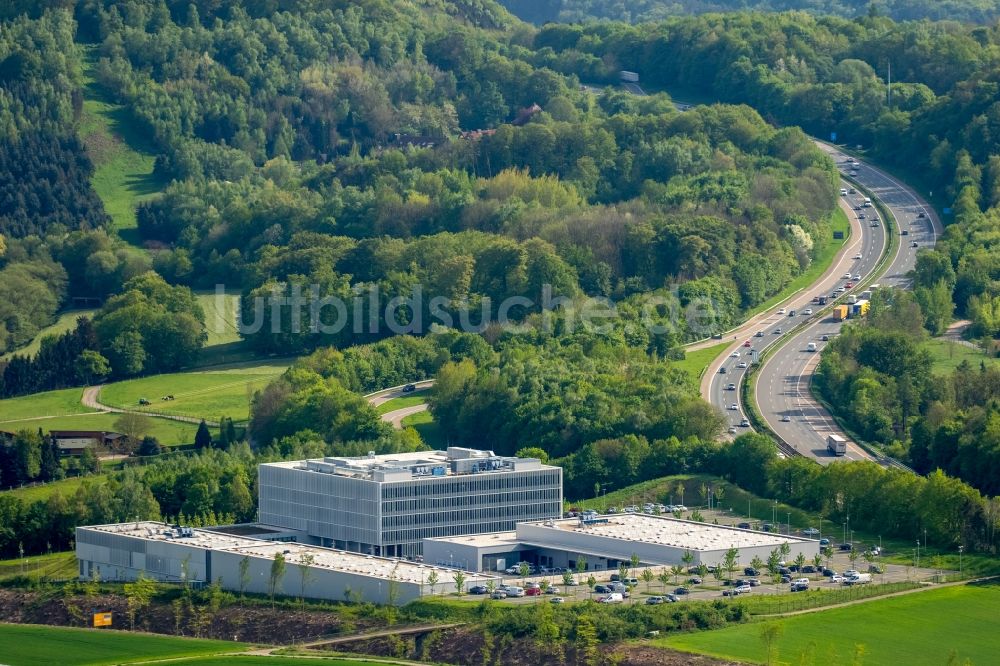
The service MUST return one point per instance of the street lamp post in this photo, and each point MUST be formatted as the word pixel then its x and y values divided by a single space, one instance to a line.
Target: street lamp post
pixel 788 523
pixel 918 554
pixel 960 549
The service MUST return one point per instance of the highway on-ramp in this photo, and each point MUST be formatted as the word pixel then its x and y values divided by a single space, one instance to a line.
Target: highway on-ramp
pixel 782 385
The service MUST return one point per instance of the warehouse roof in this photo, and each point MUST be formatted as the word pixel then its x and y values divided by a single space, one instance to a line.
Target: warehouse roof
pixel 323 558
pixel 665 531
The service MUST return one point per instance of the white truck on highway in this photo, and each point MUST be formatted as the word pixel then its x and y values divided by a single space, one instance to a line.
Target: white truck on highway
pixel 836 444
pixel 629 77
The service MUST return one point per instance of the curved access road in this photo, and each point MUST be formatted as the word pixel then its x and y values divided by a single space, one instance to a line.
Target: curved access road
pixel 783 385
pixel 396 416
pixel 722 380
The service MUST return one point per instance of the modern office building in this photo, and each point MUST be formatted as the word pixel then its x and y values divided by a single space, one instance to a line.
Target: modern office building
pixel 122 551
pixel 387 505
pixel 602 542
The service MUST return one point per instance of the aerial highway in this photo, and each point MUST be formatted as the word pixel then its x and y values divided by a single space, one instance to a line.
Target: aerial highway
pixel 782 386
pixel 722 380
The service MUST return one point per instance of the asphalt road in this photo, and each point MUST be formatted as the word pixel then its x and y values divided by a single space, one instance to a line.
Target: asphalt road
pixel 783 384
pixel 866 242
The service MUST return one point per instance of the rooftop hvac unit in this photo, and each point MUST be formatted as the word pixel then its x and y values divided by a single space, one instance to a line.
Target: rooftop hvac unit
pixel 371 455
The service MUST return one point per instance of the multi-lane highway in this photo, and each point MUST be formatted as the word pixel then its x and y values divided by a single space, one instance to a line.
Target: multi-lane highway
pixel 782 386
pixel 859 256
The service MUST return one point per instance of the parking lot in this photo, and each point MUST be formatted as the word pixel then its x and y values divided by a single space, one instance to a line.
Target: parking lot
pixel 712 587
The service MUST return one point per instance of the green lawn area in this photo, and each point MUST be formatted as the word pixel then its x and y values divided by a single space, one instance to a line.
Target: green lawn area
pixel 34 645
pixel 921 628
pixel 66 487
pixel 695 362
pixel 947 355
pixel 65 322
pixel 170 433
pixel 48 403
pixel 122 154
pixel 208 394
pixel 248 660
pixel 220 317
pixel 57 566
pixel 428 429
pixel 416 398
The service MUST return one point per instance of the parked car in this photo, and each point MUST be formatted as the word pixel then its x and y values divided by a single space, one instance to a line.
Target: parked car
pixel 557 600
pixel 694 581
pixel 682 590
pixel 478 589
pixel 652 601
pixel 836 578
pixel 613 598
pixel 499 594
pixel 786 579
pixel 846 546
pixel 808 569
pixel 532 591
pixel 615 578
pixel 742 589
pixel 824 541
pixel 829 572
pixel 750 571
pixel 601 589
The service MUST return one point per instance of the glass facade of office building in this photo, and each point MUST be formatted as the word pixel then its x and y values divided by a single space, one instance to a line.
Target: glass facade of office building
pixel 386 505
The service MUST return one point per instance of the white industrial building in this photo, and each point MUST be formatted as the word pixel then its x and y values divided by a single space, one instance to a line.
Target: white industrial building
pixel 605 541
pixel 388 504
pixel 120 552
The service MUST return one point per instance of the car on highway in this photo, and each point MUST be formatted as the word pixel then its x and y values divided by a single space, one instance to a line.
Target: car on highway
pixel 781 311
pixel 409 388
pixel 859 256
pixel 734 407
pixel 786 418
pixel 777 331
pixel 746 344
pixel 861 216
pixel 735 354
pixel 824 542
pixel 807 311
pixel 914 244
pixel 904 232
pixel 745 423
pixel 730 386
pixel 741 364
pixel 857 276
pixel 847 276
pixel 722 370
pixel 791 313
pixel 759 334
pixel 672 598
pixel 849 285
pixel 732 430
pixel 921 214
pixel 825 338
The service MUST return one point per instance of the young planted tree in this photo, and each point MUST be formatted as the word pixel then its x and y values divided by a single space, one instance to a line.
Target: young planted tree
pixel 773 560
pixel 664 578
pixel 703 571
pixel 800 561
pixel 757 563
pixel 818 561
pixel 524 569
pixel 647 577
pixel 432 580
pixel 634 561
pixel 676 570
pixel 623 570
pixel 567 578
pixel 306 560
pixel 581 564
pixel 853 557
pixel 244 576
pixel 591 581
pixel 687 558
pixel 730 561
pixel 459 578
pixel 275 576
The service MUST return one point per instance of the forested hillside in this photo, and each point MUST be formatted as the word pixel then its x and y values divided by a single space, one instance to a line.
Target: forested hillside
pixel 639 11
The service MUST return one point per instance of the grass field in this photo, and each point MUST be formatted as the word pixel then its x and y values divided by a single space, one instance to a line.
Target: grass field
pixel 65 322
pixel 56 566
pixel 34 645
pixel 123 157
pixel 66 487
pixel 48 403
pixel 418 398
pixel 170 433
pixel 947 355
pixel 208 394
pixel 428 428
pixel 220 317
pixel 921 628
pixel 247 660
pixel 695 362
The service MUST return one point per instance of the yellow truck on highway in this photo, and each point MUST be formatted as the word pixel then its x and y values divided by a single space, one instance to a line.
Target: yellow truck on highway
pixel 840 312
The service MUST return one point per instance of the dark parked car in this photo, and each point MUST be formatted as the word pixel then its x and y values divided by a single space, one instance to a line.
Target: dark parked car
pixel 750 571
pixel 601 589
pixel 786 579
pixel 846 546
pixel 478 589
pixel 682 590
pixel 694 581
pixel 784 571
pixel 615 578
pixel 744 526
pixel 673 598
pixel 829 572
pixel 808 569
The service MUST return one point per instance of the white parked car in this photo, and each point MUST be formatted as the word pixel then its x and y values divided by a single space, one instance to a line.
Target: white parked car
pixel 742 589
pixel 837 579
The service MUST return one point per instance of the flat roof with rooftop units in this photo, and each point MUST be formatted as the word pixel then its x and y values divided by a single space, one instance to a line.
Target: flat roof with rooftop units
pixel 122 551
pixel 603 542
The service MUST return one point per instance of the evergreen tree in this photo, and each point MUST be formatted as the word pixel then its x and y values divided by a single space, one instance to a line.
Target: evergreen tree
pixel 203 438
